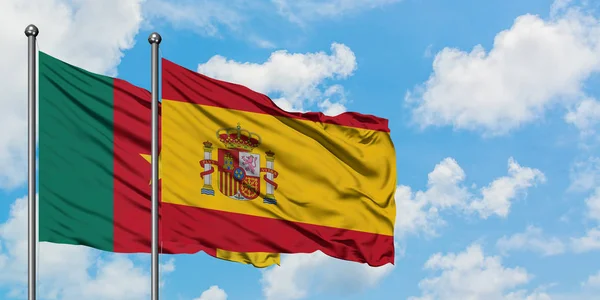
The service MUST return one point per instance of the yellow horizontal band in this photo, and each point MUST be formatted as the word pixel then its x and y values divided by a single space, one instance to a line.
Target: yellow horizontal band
pixel 327 175
pixel 257 259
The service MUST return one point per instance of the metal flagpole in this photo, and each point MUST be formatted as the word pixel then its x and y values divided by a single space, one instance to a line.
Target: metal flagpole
pixel 154 41
pixel 31 32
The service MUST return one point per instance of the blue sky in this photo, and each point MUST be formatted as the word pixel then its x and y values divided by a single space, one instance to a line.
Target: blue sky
pixel 493 108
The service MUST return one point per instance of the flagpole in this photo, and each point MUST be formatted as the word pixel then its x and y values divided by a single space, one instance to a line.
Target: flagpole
pixel 154 39
pixel 31 32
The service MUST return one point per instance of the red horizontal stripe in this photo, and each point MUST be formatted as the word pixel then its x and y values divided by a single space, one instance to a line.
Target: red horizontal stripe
pixel 181 84
pixel 211 229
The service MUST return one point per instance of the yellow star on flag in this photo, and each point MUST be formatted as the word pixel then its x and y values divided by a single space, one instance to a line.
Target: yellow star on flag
pixel 148 158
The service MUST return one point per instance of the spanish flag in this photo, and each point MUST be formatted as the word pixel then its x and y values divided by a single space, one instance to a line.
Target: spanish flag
pixel 241 174
pixel 94 141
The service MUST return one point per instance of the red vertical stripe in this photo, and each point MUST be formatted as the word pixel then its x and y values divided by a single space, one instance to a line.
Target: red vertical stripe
pixel 229 185
pixel 131 171
pixel 226 183
pixel 220 181
pixel 132 203
pixel 233 185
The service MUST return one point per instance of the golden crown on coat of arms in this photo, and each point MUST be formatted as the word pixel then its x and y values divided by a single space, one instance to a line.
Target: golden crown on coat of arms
pixel 238 138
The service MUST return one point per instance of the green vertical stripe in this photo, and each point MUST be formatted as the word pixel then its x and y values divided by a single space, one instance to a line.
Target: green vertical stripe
pixel 75 155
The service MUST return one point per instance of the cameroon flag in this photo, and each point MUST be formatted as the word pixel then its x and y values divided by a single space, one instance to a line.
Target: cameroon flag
pixel 94 165
pixel 243 175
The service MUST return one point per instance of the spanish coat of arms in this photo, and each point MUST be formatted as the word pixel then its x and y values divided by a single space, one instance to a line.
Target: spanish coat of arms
pixel 239 169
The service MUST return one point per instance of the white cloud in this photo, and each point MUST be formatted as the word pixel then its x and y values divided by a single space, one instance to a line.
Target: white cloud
pixel 204 16
pixel 295 79
pixel 428 51
pixel 84 272
pixel 589 290
pixel 585 116
pixel 532 239
pixel 589 242
pixel 593 281
pixel 209 17
pixel 213 293
pixel 168 266
pixel 585 175
pixel 331 109
pixel 524 295
pixel 498 195
pixel 306 10
pixel 471 275
pixel 420 211
pixel 90 34
pixel 333 104
pixel 261 42
pixel 593 205
pixel 214 17
pixel 559 6
pixel 303 274
pixel 532 67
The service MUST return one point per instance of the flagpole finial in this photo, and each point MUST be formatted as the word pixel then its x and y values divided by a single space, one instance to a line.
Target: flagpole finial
pixel 154 38
pixel 32 30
